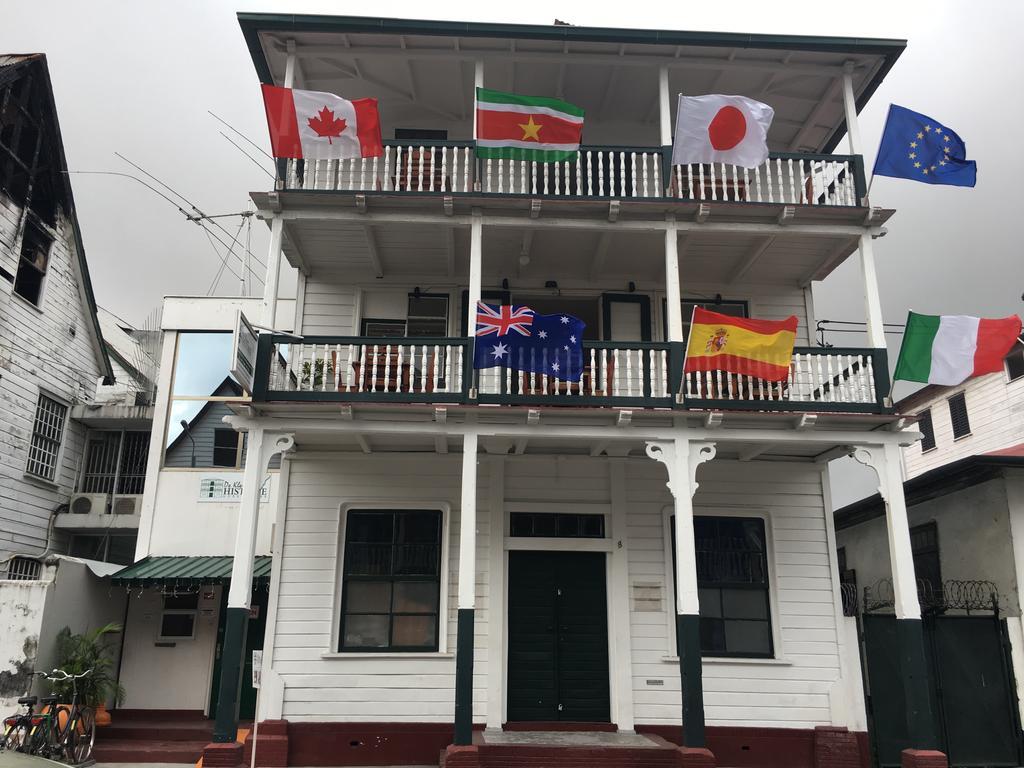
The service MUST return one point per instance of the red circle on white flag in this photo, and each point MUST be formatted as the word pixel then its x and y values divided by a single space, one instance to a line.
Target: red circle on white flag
pixel 727 128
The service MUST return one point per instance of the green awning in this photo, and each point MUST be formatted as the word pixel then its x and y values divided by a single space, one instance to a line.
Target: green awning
pixel 187 571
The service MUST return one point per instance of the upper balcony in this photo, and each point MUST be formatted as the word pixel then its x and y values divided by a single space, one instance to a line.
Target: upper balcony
pixel 423 74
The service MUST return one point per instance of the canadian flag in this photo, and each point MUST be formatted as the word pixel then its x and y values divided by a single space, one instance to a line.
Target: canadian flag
pixel 321 126
pixel 721 129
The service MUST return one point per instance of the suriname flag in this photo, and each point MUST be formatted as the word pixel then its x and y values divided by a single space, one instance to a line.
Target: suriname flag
pixel 949 349
pixel 514 127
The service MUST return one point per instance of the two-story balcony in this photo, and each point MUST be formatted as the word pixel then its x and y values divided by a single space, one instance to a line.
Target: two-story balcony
pixel 635 374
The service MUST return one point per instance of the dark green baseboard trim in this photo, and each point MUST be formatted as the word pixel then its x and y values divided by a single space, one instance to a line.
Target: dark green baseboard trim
pixel 464 678
pixel 225 726
pixel 688 648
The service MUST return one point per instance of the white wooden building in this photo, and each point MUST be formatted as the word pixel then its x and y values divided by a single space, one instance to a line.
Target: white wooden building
pixel 456 556
pixel 51 346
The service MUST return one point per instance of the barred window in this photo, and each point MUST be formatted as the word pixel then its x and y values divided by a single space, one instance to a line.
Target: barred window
pixel 391 590
pixel 47 433
pixel 732 584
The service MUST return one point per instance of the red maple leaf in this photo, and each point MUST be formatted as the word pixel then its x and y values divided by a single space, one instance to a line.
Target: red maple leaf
pixel 325 124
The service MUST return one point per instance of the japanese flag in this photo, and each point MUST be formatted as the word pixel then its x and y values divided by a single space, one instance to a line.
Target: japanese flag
pixel 721 129
pixel 321 126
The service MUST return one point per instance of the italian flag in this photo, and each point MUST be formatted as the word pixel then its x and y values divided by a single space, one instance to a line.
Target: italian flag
pixel 514 127
pixel 949 349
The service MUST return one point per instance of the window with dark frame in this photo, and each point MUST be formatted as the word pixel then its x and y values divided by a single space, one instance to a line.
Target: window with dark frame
pixel 958 415
pixel 391 589
pixel 924 423
pixel 178 620
pixel 732 583
pixel 924 546
pixel 32 266
pixel 1015 362
pixel 47 434
pixel 225 447
pixel 556 525
pixel 426 316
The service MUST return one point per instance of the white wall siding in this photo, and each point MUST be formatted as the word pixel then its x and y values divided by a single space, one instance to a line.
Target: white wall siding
pixel 791 691
pixel 995 410
pixel 49 348
pixel 329 308
pixel 362 687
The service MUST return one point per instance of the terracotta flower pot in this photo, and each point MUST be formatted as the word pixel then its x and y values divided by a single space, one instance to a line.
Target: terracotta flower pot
pixel 102 715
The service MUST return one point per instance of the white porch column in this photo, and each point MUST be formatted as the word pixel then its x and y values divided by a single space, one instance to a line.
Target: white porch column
pixel 467 596
pixel 850 109
pixel 664 108
pixel 273 277
pixel 261 447
pixel 872 298
pixel 673 299
pixel 681 458
pixel 922 729
pixel 476 248
pixel 478 82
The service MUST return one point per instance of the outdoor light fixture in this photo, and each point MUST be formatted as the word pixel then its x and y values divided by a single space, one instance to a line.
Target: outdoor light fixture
pixel 504 284
pixel 631 288
pixel 551 285
pixel 416 292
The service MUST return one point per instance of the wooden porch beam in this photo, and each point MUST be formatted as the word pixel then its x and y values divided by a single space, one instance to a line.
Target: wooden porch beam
pixel 826 101
pixel 374 252
pixel 751 259
pixel 600 255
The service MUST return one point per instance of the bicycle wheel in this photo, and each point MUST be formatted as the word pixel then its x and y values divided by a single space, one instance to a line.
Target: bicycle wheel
pixel 84 734
pixel 15 736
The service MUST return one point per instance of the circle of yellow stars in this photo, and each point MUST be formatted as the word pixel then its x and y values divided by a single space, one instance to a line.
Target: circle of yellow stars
pixel 912 155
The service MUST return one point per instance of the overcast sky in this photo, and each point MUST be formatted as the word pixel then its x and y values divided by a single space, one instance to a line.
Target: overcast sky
pixel 139 77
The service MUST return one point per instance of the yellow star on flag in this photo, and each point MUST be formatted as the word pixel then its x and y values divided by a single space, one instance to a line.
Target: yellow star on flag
pixel 946 137
pixel 917 165
pixel 913 144
pixel 920 135
pixel 913 155
pixel 938 130
pixel 531 130
pixel 928 128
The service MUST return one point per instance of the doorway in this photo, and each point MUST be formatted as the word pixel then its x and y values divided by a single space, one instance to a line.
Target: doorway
pixel 557 637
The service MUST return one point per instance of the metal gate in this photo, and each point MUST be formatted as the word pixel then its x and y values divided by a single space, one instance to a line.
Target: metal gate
pixel 970 677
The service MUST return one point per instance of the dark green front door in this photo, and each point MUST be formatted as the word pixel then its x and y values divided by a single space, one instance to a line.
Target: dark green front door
pixel 557 637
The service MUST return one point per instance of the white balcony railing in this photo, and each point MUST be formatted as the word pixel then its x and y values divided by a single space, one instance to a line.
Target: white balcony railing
pixel 594 172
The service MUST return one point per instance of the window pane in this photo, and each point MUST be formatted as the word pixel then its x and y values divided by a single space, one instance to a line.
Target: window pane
pixel 368 597
pixel 203 420
pixel 374 527
pixel 958 415
pixel 177 624
pixel 417 559
pixel 754 637
pixel 416 597
pixel 225 448
pixel 744 604
pixel 712 635
pixel 181 602
pixel 710 602
pixel 428 306
pixel 424 326
pixel 927 430
pixel 418 527
pixel 384 329
pixel 414 631
pixel 366 632
pixel 568 526
pixel 545 525
pixel 1015 362
pixel 368 559
pixel 202 365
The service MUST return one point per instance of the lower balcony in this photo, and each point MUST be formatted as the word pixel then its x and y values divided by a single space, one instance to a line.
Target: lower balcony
pixel 614 373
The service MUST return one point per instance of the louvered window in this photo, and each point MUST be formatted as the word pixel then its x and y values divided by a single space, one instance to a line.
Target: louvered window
pixel 924 424
pixel 958 415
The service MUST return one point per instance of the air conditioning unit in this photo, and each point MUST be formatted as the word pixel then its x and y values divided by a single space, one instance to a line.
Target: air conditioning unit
pixel 89 503
pixel 127 505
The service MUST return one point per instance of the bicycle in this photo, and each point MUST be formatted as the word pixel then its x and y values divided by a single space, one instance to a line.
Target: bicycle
pixel 72 742
pixel 24 731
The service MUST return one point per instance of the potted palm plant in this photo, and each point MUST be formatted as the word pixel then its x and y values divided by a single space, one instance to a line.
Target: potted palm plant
pixel 92 650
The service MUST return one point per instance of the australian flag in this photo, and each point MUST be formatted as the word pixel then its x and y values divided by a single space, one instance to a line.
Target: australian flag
pixel 916 147
pixel 518 338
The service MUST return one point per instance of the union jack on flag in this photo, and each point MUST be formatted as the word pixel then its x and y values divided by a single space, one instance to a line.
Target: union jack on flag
pixel 502 320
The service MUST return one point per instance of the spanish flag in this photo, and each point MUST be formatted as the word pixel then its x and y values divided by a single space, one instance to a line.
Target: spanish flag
pixel 759 348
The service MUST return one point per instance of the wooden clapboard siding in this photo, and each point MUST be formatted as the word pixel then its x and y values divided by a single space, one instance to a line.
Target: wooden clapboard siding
pixel 794 694
pixel 48 348
pixel 329 308
pixel 995 410
pixel 391 688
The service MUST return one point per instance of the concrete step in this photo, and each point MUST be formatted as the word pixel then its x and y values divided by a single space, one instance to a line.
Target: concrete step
pixel 164 751
pixel 153 731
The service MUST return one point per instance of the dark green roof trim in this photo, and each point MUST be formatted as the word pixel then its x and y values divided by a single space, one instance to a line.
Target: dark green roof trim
pixel 187 571
pixel 941 481
pixel 253 23
pixel 72 214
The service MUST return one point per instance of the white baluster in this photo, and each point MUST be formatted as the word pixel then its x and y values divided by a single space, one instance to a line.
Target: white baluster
pixel 533 177
pixel 632 159
pixel 433 160
pixel 558 177
pixel 735 183
pixel 590 173
pixel 622 175
pixel 600 173
pixel 703 190
pixel 656 172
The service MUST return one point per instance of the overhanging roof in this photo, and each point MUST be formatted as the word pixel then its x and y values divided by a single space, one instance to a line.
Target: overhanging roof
pixel 941 481
pixel 186 571
pixel 407 63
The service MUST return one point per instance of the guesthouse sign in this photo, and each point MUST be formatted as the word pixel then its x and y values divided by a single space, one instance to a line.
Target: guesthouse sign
pixel 227 488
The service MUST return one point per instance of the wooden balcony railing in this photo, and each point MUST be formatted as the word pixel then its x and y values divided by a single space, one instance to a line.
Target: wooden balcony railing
pixel 640 374
pixel 595 172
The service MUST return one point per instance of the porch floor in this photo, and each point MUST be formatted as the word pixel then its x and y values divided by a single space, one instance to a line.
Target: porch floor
pixel 569 739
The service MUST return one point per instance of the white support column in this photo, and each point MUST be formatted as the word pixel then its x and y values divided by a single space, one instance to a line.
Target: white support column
pixel 673 298
pixel 681 458
pixel 496 611
pixel 872 298
pixel 467 525
pixel 478 82
pixel 850 109
pixel 270 284
pixel 664 108
pixel 885 461
pixel 620 637
pixel 476 250
pixel 261 447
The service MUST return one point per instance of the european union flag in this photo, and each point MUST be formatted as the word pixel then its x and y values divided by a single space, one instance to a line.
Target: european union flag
pixel 516 337
pixel 916 147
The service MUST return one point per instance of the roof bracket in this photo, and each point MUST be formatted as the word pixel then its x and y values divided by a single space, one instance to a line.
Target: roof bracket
pixel 807 421
pixel 624 419
pixel 873 217
pixel 361 203
pixel 534 209
pixel 713 419
pixel 346 412
pixel 440 415
pixel 533 416
pixel 613 210
pixel 786 215
pixel 274 201
pixel 702 213
pixel 449 205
